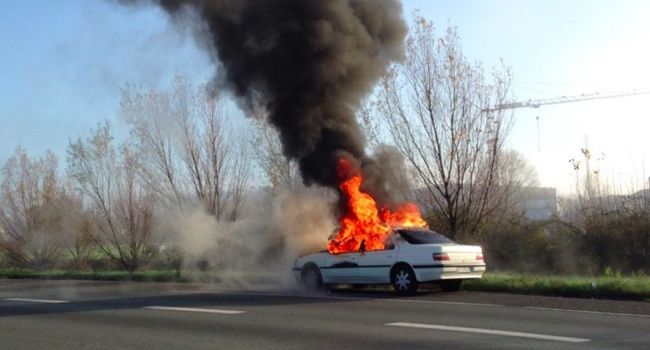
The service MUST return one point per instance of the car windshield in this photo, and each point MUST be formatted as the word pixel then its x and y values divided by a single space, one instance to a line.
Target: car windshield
pixel 423 237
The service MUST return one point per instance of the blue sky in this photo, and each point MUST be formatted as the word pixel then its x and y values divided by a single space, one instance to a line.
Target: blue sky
pixel 62 64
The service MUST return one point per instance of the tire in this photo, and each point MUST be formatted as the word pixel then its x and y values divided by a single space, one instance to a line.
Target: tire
pixel 403 280
pixel 310 278
pixel 451 285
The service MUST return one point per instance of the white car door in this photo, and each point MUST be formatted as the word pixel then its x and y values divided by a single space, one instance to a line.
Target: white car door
pixel 340 268
pixel 374 266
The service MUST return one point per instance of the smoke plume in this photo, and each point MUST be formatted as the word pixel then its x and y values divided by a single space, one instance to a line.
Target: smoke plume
pixel 265 241
pixel 307 63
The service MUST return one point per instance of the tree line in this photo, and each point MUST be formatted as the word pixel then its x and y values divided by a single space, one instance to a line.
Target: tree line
pixel 428 116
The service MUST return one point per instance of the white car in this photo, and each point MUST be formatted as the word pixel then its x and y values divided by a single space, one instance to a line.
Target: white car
pixel 411 257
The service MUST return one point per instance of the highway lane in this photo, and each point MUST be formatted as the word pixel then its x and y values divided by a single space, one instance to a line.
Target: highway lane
pixel 104 315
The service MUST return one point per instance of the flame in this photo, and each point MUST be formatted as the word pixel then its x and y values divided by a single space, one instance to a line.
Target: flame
pixel 363 223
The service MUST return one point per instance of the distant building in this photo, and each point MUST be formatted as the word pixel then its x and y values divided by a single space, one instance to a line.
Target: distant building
pixel 535 203
pixel 538 203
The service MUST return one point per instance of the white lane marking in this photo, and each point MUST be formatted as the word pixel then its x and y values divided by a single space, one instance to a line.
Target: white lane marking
pixel 586 311
pixel 194 309
pixel 400 300
pixel 45 301
pixel 489 331
pixel 521 307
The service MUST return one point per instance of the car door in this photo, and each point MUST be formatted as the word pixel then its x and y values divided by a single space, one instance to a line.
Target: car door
pixel 374 266
pixel 340 268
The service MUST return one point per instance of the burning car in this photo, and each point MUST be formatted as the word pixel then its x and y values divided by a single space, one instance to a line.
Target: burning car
pixel 382 245
pixel 410 256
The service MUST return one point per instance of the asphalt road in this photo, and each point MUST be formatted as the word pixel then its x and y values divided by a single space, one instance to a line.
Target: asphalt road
pixel 108 315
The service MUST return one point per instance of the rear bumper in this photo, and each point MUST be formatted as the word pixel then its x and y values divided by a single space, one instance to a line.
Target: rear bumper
pixel 427 273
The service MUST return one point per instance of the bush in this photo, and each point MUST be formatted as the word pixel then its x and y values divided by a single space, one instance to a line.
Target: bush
pixel 167 258
pixel 3 259
pixel 619 241
pixel 610 244
pixel 100 263
pixel 521 245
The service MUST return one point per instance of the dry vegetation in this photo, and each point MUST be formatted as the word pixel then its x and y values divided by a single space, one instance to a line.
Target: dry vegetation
pixel 108 209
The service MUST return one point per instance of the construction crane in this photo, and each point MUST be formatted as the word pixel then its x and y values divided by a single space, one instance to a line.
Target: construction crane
pixel 563 99
pixel 559 100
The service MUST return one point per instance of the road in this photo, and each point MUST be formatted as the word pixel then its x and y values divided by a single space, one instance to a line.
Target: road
pixel 117 315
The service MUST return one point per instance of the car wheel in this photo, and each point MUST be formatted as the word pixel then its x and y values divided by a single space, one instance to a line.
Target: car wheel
pixel 451 285
pixel 311 278
pixel 403 279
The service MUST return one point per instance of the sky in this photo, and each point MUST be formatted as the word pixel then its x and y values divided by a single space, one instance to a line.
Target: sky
pixel 62 64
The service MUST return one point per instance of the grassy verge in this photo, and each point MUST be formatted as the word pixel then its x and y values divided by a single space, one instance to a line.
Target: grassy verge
pixel 605 287
pixel 145 276
pixel 150 276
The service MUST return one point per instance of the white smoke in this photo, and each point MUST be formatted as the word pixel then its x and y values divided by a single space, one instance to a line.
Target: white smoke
pixel 259 248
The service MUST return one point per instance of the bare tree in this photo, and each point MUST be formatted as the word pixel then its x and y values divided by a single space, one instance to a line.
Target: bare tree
pixel 609 217
pixel 281 172
pixel 31 215
pixel 123 206
pixel 515 173
pixel 189 152
pixel 372 128
pixel 79 227
pixel 434 107
pixel 515 177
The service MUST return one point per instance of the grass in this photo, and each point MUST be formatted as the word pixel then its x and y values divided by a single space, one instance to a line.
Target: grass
pixel 603 287
pixel 148 276
pixel 144 276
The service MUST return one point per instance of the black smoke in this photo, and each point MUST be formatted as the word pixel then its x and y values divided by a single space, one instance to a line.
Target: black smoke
pixel 308 63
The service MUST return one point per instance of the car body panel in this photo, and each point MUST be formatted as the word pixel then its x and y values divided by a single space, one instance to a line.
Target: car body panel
pixel 373 267
pixel 337 268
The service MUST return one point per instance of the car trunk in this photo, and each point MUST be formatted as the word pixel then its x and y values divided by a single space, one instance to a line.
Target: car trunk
pixel 457 254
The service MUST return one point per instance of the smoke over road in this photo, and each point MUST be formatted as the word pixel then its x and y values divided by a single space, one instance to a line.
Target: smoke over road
pixel 307 63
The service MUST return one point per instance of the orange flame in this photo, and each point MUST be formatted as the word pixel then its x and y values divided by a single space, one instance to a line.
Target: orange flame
pixel 363 223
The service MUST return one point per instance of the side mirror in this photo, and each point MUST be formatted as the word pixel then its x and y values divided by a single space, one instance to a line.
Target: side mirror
pixel 362 246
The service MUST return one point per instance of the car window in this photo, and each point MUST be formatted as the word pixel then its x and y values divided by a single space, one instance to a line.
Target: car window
pixel 388 245
pixel 423 237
